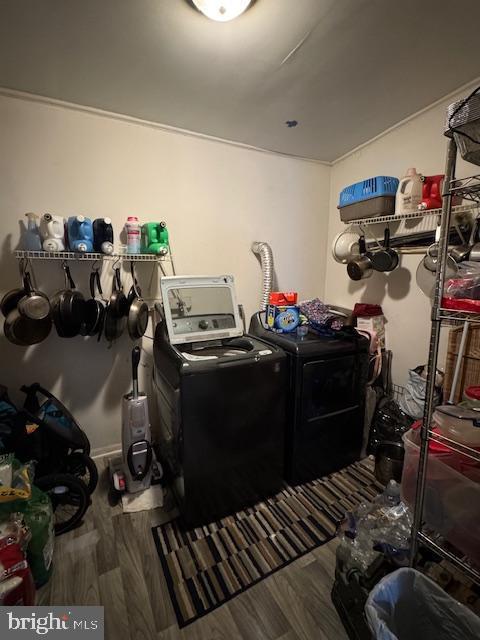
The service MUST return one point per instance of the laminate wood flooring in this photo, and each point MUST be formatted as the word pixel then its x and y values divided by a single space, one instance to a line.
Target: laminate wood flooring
pixel 111 560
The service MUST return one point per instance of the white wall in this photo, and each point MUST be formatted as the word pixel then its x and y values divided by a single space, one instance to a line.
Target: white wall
pixel 215 198
pixel 418 143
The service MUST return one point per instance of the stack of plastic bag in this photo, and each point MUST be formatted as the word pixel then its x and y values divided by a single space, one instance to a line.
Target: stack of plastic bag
pixel 19 496
pixel 381 527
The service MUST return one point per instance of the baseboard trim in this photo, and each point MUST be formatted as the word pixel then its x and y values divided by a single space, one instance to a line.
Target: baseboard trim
pixel 102 452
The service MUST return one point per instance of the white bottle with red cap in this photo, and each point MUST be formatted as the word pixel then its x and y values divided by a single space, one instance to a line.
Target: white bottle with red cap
pixel 132 228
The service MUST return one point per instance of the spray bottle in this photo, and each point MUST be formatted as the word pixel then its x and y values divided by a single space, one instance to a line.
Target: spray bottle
pixel 32 240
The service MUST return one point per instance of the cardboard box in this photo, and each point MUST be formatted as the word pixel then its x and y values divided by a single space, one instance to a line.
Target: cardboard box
pixel 373 323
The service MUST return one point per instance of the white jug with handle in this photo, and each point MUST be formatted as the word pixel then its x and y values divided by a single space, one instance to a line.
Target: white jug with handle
pixel 409 192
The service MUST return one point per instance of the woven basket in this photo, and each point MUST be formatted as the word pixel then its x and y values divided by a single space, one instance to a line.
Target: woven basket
pixel 470 369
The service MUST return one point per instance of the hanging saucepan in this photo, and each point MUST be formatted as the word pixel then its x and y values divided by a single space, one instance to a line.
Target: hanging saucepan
pixel 34 304
pixel 361 266
pixel 137 320
pixel 68 308
pixel 94 308
pixel 385 259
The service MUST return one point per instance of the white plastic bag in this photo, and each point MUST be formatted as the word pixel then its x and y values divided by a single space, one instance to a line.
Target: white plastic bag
pixel 406 605
pixel 413 400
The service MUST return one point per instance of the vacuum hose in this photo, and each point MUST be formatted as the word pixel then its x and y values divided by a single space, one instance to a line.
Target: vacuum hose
pixel 263 250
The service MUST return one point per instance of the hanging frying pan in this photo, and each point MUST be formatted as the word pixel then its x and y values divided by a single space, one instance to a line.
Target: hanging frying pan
pixel 118 303
pixel 94 312
pixel 386 258
pixel 135 290
pixel 12 298
pixel 34 304
pixel 137 320
pixel 68 308
pixel 114 324
pixel 25 331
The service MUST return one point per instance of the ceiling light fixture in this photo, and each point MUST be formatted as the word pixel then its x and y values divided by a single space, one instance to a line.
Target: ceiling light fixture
pixel 221 10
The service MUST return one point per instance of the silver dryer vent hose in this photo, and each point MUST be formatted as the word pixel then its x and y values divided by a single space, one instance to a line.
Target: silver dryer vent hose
pixel 264 250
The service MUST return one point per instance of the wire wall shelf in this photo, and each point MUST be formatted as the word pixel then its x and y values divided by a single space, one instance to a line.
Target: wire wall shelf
pixel 416 215
pixel 81 257
pixel 467 188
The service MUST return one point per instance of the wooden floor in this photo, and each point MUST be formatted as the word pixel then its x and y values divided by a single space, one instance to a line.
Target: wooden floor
pixel 111 560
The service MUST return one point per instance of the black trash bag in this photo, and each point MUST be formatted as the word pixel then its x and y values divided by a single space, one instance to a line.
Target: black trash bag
pixel 389 423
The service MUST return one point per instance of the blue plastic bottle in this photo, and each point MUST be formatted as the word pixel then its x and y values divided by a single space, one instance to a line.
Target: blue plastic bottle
pixel 80 234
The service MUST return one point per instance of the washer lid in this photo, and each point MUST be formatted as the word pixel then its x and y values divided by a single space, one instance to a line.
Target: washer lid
pixel 199 308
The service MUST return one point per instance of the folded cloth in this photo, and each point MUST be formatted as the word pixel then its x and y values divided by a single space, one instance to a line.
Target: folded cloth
pixel 319 315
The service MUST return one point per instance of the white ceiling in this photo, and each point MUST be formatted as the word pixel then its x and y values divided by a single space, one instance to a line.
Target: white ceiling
pixel 363 66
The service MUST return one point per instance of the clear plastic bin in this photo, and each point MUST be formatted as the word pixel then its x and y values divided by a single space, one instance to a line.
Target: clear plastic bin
pixel 452 501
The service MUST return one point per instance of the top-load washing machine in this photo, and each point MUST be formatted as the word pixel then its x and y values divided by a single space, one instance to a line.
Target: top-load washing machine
pixel 221 400
pixel 327 379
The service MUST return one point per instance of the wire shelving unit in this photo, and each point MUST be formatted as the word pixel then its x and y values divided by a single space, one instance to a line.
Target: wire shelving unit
pixel 469 189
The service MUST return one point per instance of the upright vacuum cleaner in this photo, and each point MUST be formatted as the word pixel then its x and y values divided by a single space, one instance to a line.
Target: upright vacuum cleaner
pixel 135 473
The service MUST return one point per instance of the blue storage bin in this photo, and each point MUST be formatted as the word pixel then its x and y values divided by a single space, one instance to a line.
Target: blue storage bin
pixel 367 189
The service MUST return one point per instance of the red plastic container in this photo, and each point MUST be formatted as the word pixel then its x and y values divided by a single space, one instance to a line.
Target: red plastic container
pixel 432 191
pixel 283 299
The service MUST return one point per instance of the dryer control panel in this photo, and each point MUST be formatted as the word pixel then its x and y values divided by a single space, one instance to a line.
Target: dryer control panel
pixel 196 324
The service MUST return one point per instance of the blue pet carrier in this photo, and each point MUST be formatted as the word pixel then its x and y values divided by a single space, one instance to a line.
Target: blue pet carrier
pixel 368 198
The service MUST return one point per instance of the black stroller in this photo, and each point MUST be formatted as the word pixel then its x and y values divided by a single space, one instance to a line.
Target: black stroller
pixel 45 431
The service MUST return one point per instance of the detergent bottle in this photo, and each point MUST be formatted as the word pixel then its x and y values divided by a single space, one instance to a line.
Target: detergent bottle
pixel 132 228
pixel 409 192
pixel 432 192
pixel 52 231
pixel 103 235
pixel 155 238
pixel 80 234
pixel 32 240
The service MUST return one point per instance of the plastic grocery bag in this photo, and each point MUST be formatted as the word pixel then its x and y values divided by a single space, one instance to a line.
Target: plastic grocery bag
pixel 38 516
pixel 406 605
pixel 15 479
pixel 413 400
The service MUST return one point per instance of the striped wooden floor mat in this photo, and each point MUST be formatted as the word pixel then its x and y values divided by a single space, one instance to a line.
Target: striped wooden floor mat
pixel 208 566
